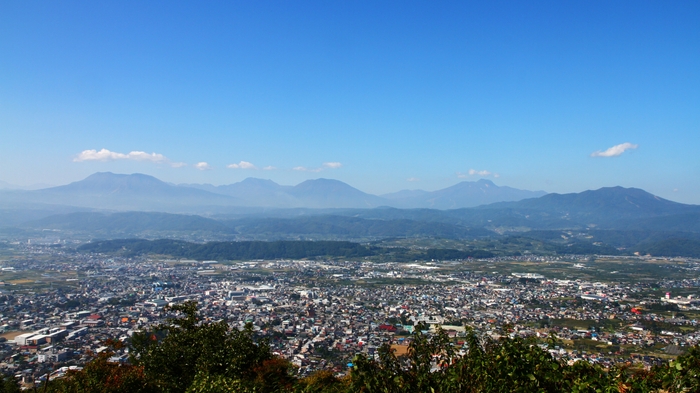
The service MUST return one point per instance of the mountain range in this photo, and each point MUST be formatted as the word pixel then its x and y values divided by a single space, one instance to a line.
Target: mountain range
pixel 461 195
pixel 327 193
pixel 107 206
pixel 142 192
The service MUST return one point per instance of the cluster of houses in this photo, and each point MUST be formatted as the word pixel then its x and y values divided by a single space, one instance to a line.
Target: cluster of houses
pixel 320 314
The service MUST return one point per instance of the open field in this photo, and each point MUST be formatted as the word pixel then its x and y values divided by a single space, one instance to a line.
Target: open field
pixel 13 334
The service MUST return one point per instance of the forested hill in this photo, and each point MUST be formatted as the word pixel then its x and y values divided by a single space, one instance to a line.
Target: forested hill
pixel 249 250
pixel 230 250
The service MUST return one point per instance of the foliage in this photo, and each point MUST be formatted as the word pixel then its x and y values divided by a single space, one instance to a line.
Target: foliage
pixel 190 348
pixel 508 365
pixel 100 375
pixel 8 385
pixel 270 250
pixel 191 356
pixel 674 247
pixel 347 227
pixel 230 250
pixel 323 381
pixel 682 374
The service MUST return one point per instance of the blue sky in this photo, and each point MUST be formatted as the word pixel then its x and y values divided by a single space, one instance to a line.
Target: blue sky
pixel 382 95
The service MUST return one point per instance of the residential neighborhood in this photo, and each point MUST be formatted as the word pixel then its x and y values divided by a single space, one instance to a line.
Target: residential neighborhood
pixel 320 313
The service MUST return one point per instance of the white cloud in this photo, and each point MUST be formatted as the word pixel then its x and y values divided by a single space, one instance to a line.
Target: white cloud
pixel 615 150
pixel 332 165
pixel 202 166
pixel 242 165
pixel 413 179
pixel 474 172
pixel 107 155
pixel 269 168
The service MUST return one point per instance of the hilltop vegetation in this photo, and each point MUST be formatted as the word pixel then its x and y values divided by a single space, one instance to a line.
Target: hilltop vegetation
pixel 685 247
pixel 537 243
pixel 192 356
pixel 351 227
pixel 230 251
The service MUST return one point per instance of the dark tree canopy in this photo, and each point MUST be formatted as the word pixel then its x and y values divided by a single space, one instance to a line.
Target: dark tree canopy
pixel 188 355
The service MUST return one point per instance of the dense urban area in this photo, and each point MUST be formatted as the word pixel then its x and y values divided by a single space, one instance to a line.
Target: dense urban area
pixel 59 306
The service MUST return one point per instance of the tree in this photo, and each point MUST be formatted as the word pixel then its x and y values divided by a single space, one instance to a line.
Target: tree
pixel 187 355
pixel 102 376
pixel 8 385
pixel 176 354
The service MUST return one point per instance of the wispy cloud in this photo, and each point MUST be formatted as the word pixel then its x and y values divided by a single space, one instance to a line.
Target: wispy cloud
pixel 615 150
pixel 242 165
pixel 332 165
pixel 325 165
pixel 474 172
pixel 107 155
pixel 413 179
pixel 269 168
pixel 202 166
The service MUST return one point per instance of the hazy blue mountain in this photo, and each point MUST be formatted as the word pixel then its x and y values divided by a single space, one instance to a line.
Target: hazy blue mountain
pixel 261 192
pixel 127 192
pixel 205 187
pixel 600 207
pixel 20 214
pixel 405 194
pixel 461 195
pixel 250 187
pixel 108 183
pixel 608 220
pixel 685 222
pixel 128 223
pixel 326 227
pixel 327 193
pixel 611 208
pixel 317 194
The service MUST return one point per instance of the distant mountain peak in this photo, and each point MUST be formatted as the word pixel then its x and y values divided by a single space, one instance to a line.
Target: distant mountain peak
pixel 604 204
pixel 112 175
pixel 323 180
pixel 256 180
pixel 325 184
pixel 101 177
pixel 136 191
pixel 463 194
